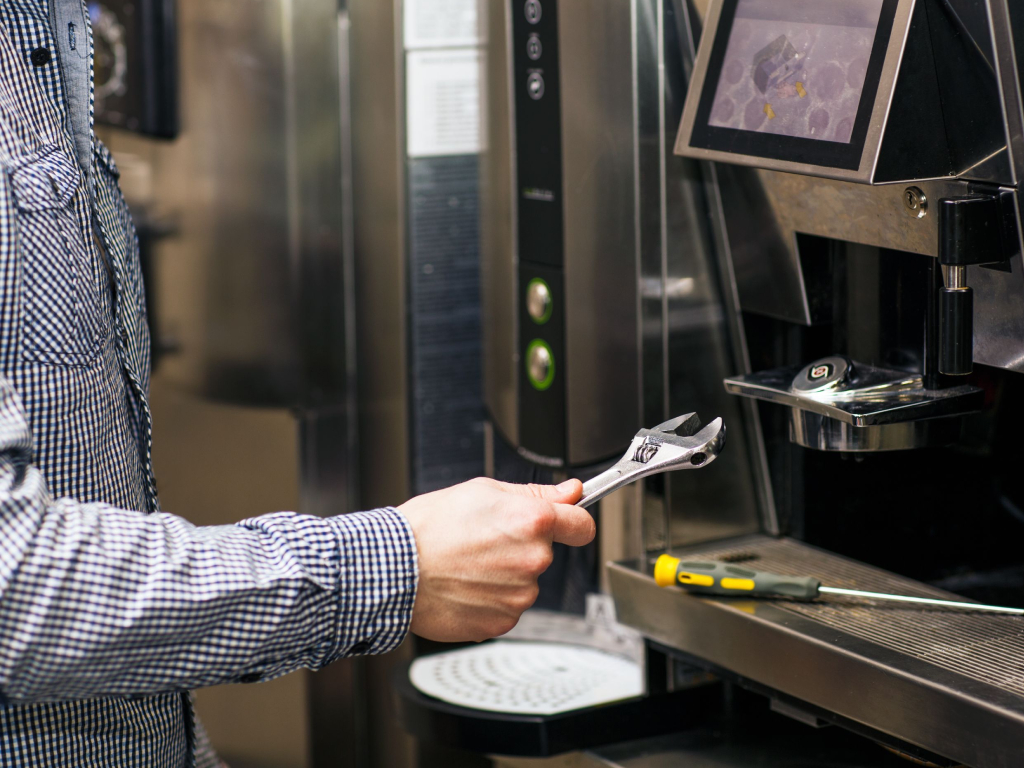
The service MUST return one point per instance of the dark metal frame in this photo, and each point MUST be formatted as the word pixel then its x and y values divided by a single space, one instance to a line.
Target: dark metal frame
pixel 795 149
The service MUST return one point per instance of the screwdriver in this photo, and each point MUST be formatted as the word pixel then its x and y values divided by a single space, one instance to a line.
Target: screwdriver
pixel 715 578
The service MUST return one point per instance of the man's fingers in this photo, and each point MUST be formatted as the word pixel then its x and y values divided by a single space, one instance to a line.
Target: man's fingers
pixel 568 492
pixel 573 525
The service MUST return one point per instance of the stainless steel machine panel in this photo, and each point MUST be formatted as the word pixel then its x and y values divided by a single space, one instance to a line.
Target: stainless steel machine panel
pixel 602 370
pixel 850 260
pixel 558 181
pixel 249 205
pixel 949 681
pixel 498 210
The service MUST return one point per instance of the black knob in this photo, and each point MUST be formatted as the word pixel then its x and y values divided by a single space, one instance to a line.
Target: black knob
pixel 970 230
pixel 956 316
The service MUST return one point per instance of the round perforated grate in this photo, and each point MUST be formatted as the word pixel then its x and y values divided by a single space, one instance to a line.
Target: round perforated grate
pixel 527 677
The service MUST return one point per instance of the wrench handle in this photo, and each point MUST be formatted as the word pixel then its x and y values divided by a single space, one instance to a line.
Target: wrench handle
pixel 596 488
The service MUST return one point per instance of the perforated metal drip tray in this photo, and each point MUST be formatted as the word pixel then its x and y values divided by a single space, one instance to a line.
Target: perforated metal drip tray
pixel 951 682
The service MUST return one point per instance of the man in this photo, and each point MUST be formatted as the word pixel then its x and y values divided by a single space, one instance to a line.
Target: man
pixel 109 610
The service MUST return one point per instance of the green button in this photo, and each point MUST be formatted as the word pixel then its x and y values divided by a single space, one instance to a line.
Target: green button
pixel 540 365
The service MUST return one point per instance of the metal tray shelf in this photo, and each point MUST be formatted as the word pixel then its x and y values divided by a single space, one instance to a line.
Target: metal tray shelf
pixel 951 682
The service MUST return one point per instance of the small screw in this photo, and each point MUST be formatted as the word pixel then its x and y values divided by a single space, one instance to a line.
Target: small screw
pixel 698 458
pixel 915 202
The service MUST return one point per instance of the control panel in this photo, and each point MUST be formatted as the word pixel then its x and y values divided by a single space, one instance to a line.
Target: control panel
pixel 541 258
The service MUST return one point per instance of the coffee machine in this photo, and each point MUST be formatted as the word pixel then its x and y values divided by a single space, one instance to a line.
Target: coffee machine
pixel 819 200
pixel 862 161
pixel 598 285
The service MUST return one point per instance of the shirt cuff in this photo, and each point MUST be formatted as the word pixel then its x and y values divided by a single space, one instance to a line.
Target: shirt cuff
pixel 378 579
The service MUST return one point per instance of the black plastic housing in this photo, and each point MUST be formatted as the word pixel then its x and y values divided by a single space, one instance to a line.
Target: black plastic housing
pixel 970 231
pixel 496 733
pixel 956 354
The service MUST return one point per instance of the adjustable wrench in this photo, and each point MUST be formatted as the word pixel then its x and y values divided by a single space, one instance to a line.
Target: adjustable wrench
pixel 676 444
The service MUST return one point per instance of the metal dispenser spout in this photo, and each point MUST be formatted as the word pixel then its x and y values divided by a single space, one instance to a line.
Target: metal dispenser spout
pixel 840 405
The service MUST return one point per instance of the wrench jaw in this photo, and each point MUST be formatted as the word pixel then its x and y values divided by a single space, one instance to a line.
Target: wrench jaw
pixel 681 426
pixel 712 438
pixel 662 449
pixel 677 453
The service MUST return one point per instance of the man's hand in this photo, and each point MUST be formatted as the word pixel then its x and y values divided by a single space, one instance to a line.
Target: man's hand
pixel 482 546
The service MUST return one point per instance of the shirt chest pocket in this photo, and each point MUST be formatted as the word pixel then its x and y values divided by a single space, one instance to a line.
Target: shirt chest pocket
pixel 61 316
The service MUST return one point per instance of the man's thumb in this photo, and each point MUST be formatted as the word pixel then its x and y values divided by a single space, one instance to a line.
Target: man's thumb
pixel 568 492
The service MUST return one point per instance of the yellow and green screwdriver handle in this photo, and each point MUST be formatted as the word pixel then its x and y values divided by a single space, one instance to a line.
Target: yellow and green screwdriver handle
pixel 712 578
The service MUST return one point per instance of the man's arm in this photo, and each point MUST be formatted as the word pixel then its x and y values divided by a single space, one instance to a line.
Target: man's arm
pixel 97 601
pixel 100 601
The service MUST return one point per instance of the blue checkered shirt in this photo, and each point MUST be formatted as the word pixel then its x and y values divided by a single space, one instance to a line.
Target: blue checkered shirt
pixel 111 611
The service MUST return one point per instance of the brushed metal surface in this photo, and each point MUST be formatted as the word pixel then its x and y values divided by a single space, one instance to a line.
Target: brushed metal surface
pixel 738 497
pixel 1007 74
pixel 999 316
pixel 251 191
pixel 766 211
pixel 821 433
pixel 603 393
pixel 856 213
pixel 379 215
pixel 951 682
pixel 380 212
pixel 684 296
pixel 602 367
pixel 785 205
pixel 498 233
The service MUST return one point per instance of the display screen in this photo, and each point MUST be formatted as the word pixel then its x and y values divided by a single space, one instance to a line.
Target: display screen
pixel 803 69
pixel 796 77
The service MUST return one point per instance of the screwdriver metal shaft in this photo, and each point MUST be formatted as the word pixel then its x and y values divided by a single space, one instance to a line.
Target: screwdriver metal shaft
pixel 923 600
pixel 717 578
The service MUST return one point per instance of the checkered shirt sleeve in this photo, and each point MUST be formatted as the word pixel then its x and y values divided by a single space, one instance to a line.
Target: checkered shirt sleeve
pixel 97 601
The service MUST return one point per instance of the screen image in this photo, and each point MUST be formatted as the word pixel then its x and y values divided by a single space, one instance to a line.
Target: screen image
pixel 796 68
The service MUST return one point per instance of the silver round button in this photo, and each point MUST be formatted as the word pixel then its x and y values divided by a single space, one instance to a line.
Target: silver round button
pixel 533 11
pixel 829 373
pixel 535 85
pixel 539 365
pixel 538 301
pixel 533 47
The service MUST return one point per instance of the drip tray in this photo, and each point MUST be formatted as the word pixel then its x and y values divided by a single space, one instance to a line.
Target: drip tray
pixel 532 699
pixel 527 678
pixel 949 681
